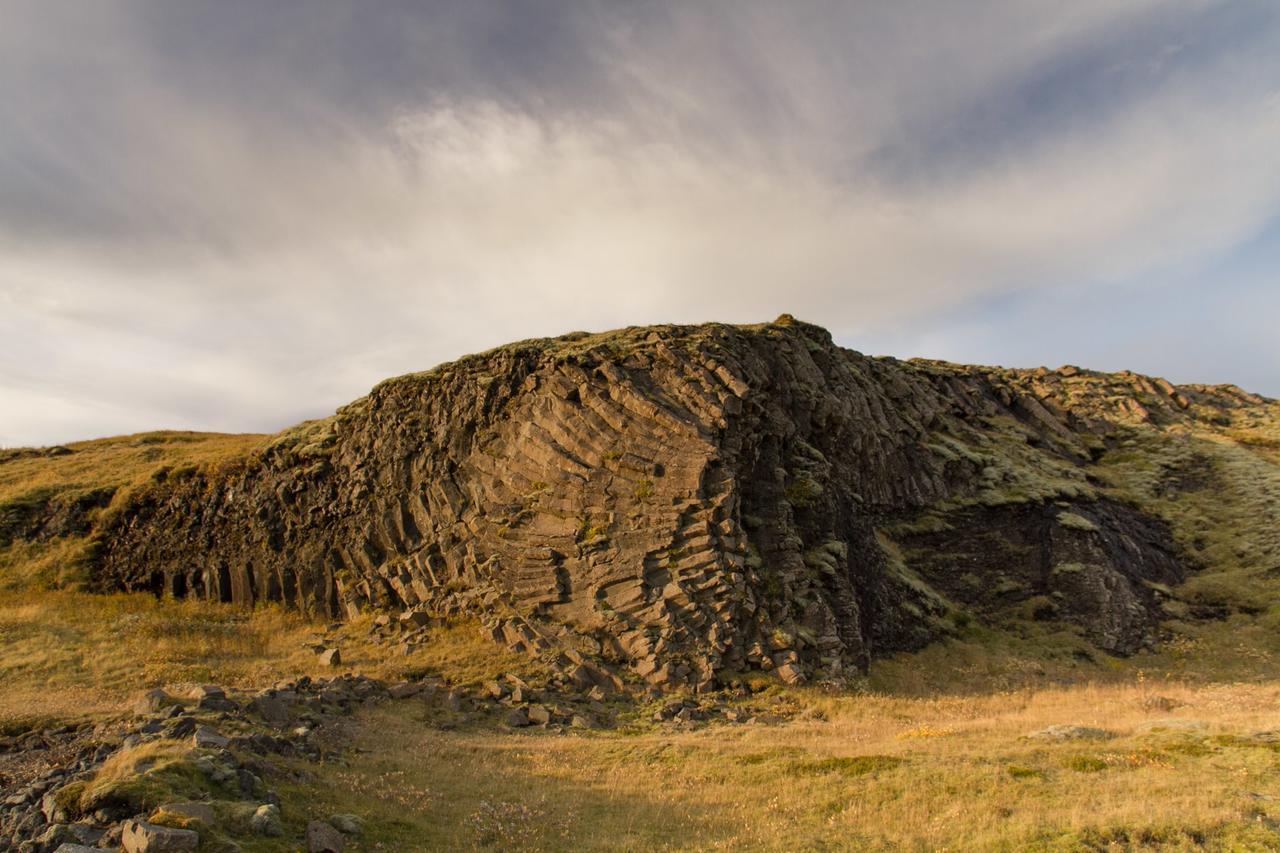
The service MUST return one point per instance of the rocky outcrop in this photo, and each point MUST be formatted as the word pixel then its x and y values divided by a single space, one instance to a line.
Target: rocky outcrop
pixel 684 500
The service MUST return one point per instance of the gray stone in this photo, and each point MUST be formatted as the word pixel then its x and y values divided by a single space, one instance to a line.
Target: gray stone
pixel 404 690
pixel 323 838
pixel 266 820
pixel 138 836
pixel 207 737
pixel 152 701
pixel 202 812
pixel 517 718
pixel 347 824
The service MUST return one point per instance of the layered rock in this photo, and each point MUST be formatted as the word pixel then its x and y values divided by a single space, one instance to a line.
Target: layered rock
pixel 683 500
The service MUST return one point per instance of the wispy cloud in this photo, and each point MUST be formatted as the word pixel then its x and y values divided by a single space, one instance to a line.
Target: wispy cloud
pixel 236 217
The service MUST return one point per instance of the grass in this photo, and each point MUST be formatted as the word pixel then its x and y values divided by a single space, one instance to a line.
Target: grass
pixel 33 483
pixel 65 654
pixel 862 777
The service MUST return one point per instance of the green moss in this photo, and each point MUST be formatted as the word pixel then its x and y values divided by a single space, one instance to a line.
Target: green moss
pixel 1075 521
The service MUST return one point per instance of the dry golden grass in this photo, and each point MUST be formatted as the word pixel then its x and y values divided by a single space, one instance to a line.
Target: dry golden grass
pixel 122 461
pixel 878 773
pixel 67 654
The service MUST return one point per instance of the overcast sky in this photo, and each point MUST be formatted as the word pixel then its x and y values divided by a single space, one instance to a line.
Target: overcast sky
pixel 233 215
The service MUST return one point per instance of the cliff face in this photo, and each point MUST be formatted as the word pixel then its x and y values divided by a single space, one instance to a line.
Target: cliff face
pixel 679 501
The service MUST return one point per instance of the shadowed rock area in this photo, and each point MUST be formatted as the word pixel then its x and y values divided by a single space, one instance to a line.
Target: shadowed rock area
pixel 671 502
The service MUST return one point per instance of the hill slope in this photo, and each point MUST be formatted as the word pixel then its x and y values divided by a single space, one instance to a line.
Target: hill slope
pixel 677 502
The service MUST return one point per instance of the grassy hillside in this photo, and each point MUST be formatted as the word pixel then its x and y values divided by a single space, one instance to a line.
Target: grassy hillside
pixel 932 749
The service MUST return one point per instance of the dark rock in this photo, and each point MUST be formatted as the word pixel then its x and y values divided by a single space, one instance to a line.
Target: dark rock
pixel 323 838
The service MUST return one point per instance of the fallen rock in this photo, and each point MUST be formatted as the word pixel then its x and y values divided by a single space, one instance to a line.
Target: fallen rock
pixel 152 701
pixel 790 673
pixel 323 838
pixel 539 715
pixel 404 690
pixel 138 836
pixel 517 718
pixel 266 820
pixel 207 737
pixel 347 824
pixel 202 812
pixel 330 657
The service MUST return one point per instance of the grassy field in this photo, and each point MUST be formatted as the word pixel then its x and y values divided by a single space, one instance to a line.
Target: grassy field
pixel 850 772
pixel 888 766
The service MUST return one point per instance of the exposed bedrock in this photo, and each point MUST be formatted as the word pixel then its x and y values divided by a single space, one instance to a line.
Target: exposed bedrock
pixel 684 499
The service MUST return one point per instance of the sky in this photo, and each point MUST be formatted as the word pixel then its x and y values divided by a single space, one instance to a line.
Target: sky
pixel 233 215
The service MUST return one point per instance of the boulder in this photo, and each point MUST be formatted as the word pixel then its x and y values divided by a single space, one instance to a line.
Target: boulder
pixel 266 820
pixel 539 715
pixel 330 657
pixel 207 737
pixel 152 701
pixel 323 838
pixel 138 836
pixel 404 690
pixel 517 718
pixel 202 812
pixel 347 824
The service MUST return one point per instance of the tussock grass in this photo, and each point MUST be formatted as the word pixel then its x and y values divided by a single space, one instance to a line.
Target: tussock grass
pixel 862 778
pixel 66 654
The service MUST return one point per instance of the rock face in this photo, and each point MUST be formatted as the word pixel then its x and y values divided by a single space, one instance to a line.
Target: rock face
pixel 683 500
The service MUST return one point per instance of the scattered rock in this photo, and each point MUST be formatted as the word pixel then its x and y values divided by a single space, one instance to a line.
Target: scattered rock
pixel 330 657
pixel 202 812
pixel 404 690
pixel 266 820
pixel 138 836
pixel 347 824
pixel 207 737
pixel 517 718
pixel 152 701
pixel 323 838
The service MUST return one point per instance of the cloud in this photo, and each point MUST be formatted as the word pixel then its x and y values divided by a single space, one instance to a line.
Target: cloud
pixel 180 249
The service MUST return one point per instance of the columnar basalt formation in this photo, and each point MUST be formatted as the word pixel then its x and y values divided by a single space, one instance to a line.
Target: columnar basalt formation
pixel 679 501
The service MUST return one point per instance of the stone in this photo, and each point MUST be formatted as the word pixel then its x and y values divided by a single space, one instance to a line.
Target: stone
pixel 581 721
pixel 323 838
pixel 330 657
pixel 207 737
pixel 202 812
pixel 68 847
pixel 517 718
pixel 271 709
pixel 180 727
pixel 347 824
pixel 207 691
pixel 737 440
pixel 791 673
pixel 152 701
pixel 539 715
pixel 138 836
pixel 266 820
pixel 404 690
